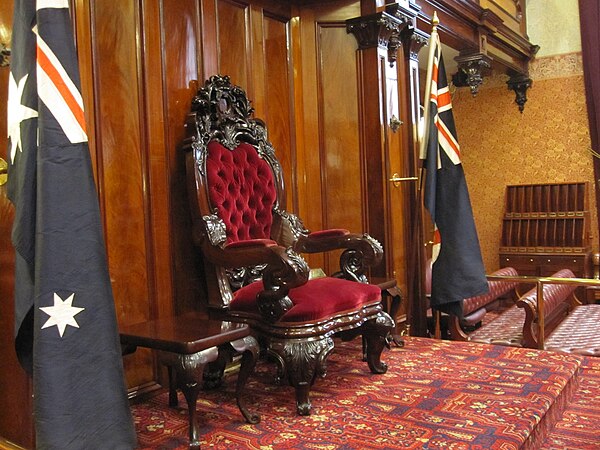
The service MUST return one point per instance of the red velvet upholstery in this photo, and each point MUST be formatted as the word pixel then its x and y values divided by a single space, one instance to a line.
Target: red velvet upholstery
pixel 318 299
pixel 251 243
pixel 242 188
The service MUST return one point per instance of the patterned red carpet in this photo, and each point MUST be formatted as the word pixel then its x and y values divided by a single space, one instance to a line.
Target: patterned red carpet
pixel 436 394
pixel 580 424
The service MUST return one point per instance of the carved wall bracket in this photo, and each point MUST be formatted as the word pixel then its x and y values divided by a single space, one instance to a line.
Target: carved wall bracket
pixel 519 82
pixel 413 40
pixel 4 55
pixel 471 70
pixel 377 30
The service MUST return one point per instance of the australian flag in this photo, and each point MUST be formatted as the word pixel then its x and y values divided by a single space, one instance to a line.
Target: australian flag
pixel 457 271
pixel 66 331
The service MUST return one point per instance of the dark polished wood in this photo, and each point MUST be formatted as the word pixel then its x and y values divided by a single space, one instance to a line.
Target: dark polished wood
pixel 140 63
pixel 221 113
pixel 545 228
pixel 186 344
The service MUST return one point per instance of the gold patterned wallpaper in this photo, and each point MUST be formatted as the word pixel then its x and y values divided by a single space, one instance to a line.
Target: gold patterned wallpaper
pixel 549 142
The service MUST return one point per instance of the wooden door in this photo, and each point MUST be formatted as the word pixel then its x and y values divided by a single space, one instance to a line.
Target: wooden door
pixel 348 151
pixel 16 423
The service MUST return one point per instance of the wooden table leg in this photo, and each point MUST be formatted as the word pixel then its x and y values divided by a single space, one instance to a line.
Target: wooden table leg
pixel 188 378
pixel 249 349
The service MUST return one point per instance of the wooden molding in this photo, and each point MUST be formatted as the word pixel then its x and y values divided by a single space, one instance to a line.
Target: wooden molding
pixel 469 28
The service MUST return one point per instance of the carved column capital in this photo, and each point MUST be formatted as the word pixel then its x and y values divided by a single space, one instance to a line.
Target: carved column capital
pixel 377 30
pixel 519 82
pixel 407 15
pixel 413 41
pixel 471 69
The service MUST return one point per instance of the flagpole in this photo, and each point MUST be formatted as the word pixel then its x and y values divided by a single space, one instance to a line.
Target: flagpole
pixel 418 218
pixel 432 40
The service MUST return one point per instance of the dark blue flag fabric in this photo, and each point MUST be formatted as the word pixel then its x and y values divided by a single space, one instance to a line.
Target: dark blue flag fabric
pixel 457 270
pixel 66 329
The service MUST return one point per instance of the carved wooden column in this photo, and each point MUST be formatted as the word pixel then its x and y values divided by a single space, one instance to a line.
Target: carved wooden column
pixel 373 33
pixel 411 42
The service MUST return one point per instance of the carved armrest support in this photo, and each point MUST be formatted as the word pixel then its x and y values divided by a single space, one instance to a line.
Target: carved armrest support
pixel 278 279
pixel 284 270
pixel 529 303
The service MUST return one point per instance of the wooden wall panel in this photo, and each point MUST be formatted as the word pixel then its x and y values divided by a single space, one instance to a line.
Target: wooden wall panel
pixel 180 72
pixel 233 30
pixel 122 162
pixel 278 111
pixel 308 79
pixel 339 129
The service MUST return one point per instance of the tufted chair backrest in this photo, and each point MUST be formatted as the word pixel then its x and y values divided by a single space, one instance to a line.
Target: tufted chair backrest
pixel 241 188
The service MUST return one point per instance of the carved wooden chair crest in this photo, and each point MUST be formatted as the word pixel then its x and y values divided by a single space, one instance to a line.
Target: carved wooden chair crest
pixel 252 247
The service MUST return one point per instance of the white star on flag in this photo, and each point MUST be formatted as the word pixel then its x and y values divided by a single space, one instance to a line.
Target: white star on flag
pixel 62 313
pixel 17 113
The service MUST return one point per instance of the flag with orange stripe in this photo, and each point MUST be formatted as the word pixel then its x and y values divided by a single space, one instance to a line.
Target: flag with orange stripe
pixel 457 270
pixel 66 332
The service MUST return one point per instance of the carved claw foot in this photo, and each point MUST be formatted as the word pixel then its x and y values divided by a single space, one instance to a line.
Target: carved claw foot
pixel 303 405
pixel 376 332
pixel 302 361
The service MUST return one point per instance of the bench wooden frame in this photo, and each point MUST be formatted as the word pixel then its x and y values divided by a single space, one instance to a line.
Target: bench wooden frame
pixel 548 317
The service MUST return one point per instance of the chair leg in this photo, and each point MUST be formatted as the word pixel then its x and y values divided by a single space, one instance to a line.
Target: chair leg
pixel 375 332
pixel 302 362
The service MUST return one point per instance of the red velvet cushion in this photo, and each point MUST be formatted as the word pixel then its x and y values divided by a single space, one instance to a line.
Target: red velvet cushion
pixel 242 189
pixel 317 299
pixel 252 243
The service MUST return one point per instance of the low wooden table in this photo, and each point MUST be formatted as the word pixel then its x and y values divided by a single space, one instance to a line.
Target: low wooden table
pixel 186 344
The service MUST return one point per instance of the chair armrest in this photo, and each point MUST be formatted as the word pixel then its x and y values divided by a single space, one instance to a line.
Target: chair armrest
pixel 361 250
pixel 284 270
pixel 336 239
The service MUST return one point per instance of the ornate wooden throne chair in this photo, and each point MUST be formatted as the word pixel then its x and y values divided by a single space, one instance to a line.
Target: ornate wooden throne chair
pixel 252 247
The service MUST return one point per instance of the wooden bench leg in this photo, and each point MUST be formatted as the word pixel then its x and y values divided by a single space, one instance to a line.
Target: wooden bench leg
pixel 188 378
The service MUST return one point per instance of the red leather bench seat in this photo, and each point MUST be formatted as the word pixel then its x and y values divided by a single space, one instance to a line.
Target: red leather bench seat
pixel 474 308
pixel 506 329
pixel 578 333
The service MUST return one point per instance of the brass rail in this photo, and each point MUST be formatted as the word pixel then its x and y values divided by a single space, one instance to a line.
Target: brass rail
pixel 539 282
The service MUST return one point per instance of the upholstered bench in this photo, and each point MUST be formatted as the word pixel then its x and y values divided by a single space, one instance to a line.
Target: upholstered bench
pixel 573 327
pixel 578 333
pixel 186 344
pixel 559 299
pixel 475 308
pixel 517 326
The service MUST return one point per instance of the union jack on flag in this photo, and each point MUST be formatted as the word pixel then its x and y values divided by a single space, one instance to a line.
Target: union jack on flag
pixel 457 270
pixel 65 321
